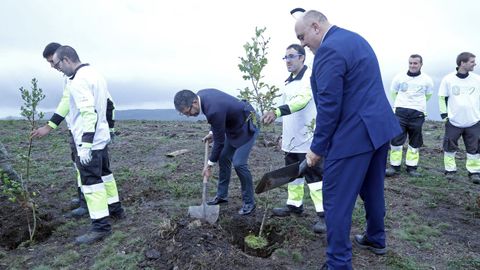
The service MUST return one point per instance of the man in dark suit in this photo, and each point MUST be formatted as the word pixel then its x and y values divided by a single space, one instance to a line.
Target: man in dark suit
pixel 354 125
pixel 233 133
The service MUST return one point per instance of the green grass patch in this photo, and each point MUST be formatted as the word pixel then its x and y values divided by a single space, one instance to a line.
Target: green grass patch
pixel 69 257
pixel 413 229
pixel 465 263
pixel 114 254
pixel 397 262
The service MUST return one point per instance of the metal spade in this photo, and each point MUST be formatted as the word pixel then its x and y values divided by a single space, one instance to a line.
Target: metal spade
pixel 205 212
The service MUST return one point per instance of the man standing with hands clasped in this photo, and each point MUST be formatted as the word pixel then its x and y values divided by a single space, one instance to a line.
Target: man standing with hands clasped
pixel 354 124
pixel 410 91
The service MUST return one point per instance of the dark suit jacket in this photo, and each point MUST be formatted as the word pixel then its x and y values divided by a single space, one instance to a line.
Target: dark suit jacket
pixel 228 117
pixel 353 113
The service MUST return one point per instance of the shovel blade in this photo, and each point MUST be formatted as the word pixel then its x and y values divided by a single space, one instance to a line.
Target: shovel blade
pixel 205 212
pixel 280 176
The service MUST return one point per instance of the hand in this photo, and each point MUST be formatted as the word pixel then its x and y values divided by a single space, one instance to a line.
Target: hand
pixel 85 155
pixel 269 117
pixel 40 132
pixel 315 161
pixel 207 171
pixel 208 138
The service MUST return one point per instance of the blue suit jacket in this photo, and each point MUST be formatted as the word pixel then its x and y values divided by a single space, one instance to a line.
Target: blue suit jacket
pixel 353 113
pixel 228 117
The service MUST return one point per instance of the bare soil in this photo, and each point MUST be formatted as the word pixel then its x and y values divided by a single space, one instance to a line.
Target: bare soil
pixel 431 223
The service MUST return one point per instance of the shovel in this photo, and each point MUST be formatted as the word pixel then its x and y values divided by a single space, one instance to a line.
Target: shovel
pixel 205 212
pixel 281 176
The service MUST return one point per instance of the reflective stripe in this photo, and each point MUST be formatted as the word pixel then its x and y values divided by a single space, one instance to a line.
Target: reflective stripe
pixel 412 156
pixel 449 161
pixel 111 187
pixel 113 200
pixel 396 155
pixel 315 186
pixel 316 195
pixel 96 198
pixel 108 178
pixel 473 163
pixel 295 192
pixel 93 188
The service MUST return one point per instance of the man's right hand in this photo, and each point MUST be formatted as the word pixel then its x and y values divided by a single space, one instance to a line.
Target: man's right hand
pixel 208 138
pixel 269 117
pixel 40 132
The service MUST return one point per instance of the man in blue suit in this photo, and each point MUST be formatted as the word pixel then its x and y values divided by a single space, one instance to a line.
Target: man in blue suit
pixel 354 125
pixel 233 133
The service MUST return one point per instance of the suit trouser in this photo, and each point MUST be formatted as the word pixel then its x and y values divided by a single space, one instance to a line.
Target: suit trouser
pixel 345 179
pixel 239 158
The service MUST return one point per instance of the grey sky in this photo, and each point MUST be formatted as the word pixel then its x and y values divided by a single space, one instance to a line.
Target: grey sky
pixel 148 50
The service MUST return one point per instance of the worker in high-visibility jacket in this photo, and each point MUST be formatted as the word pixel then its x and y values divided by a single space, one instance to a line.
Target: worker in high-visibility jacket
pixel 89 126
pixel 410 92
pixel 298 113
pixel 459 97
pixel 57 118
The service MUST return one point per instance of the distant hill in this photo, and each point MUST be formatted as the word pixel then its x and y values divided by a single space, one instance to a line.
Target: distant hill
pixel 140 114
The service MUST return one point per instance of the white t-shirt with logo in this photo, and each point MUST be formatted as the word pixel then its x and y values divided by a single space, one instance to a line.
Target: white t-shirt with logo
pixel 412 91
pixel 463 106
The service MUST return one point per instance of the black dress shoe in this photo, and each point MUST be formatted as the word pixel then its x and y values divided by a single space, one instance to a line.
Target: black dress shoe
pixel 216 201
pixel 246 209
pixel 362 242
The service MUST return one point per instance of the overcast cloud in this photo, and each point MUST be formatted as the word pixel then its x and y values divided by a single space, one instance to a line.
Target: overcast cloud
pixel 150 49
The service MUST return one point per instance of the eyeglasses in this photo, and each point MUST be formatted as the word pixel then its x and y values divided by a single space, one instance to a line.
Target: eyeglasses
pixel 291 57
pixel 56 65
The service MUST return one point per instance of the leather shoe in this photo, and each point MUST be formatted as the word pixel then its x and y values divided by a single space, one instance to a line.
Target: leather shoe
pixel 246 209
pixel 77 213
pixel 74 203
pixel 362 242
pixel 287 210
pixel 413 173
pixel 118 216
pixel 91 237
pixel 392 171
pixel 216 201
pixel 319 226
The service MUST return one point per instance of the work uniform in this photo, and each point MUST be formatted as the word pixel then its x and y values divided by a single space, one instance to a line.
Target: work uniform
pixel 410 93
pixel 90 129
pixel 298 115
pixel 60 114
pixel 459 97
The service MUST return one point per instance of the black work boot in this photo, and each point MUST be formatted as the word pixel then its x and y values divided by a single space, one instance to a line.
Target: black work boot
pixel 319 226
pixel 474 177
pixel 392 170
pixel 91 237
pixel 412 171
pixel 287 210
pixel 450 175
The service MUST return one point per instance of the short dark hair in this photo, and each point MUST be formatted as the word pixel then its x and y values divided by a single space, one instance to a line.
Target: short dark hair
pixel 417 56
pixel 69 52
pixel 184 99
pixel 298 48
pixel 464 57
pixel 50 49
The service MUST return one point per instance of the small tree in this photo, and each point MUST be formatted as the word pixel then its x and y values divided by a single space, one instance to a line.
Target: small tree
pixel 261 95
pixel 30 112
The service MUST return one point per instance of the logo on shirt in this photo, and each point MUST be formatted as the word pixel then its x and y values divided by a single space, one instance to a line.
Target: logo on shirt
pixel 462 90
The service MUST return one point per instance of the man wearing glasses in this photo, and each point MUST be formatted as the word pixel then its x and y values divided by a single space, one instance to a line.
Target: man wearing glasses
pixel 60 114
pixel 91 134
pixel 233 133
pixel 298 114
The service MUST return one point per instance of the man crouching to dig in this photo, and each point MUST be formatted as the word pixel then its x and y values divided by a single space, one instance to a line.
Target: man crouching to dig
pixel 233 133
